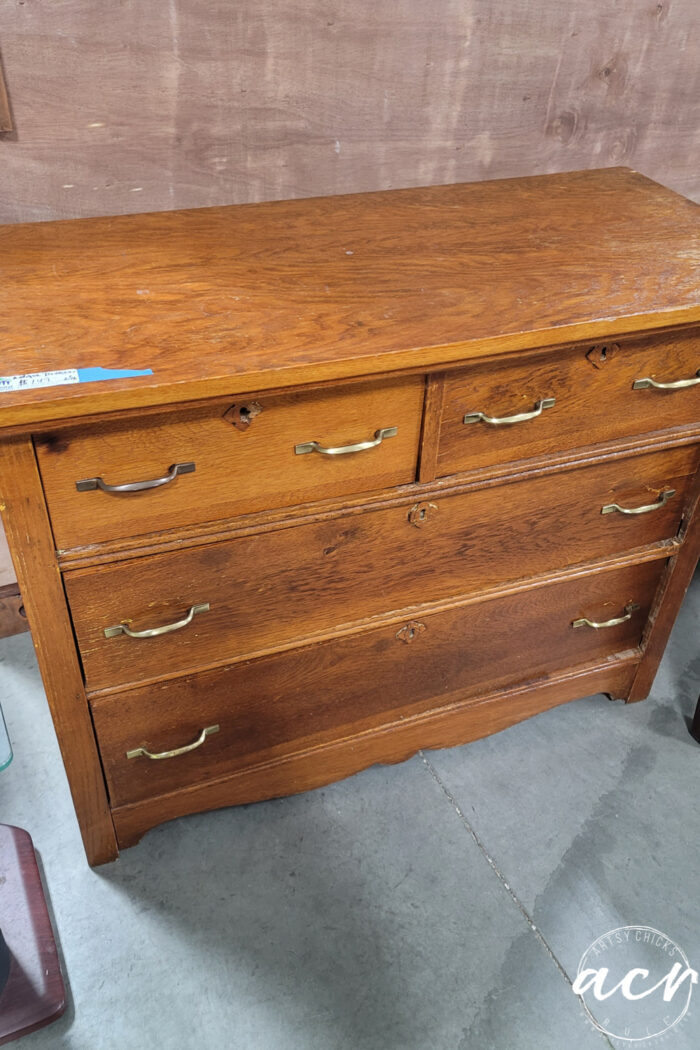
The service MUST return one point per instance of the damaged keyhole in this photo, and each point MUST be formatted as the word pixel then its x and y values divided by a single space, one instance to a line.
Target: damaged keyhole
pixel 420 513
pixel 410 631
pixel 241 416
pixel 600 354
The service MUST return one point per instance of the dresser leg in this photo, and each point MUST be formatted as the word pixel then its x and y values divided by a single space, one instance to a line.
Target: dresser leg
pixel 31 543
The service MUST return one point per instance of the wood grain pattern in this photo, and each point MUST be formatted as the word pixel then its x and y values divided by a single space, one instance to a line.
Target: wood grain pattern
pixel 309 696
pixel 594 400
pixel 616 451
pixel 27 527
pixel 34 995
pixel 237 471
pixel 266 100
pixel 223 301
pixel 272 589
pixel 446 726
pixel 310 659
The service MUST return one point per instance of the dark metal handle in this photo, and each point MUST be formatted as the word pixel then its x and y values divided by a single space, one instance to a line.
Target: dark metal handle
pixel 136 486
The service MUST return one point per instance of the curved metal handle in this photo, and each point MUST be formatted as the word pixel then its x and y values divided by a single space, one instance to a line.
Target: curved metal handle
pixel 664 497
pixel 136 486
pixel 342 450
pixel 521 417
pixel 138 751
pixel 647 383
pixel 122 628
pixel 585 622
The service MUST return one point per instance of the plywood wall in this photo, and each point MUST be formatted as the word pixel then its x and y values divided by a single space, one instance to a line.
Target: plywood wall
pixel 136 105
pixel 133 105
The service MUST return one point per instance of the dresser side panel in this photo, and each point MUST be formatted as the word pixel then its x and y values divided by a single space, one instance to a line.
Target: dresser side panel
pixel 31 543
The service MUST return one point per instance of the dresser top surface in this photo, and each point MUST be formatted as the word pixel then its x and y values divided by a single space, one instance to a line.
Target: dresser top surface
pixel 217 301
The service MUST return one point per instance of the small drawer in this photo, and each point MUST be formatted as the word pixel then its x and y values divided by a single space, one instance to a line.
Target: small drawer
pixel 551 403
pixel 281 587
pixel 224 720
pixel 227 459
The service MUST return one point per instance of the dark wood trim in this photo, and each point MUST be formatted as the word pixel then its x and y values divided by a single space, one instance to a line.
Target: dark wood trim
pixel 34 995
pixel 31 544
pixel 432 416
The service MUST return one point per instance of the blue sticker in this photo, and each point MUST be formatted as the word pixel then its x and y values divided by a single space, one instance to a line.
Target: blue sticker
pixel 67 376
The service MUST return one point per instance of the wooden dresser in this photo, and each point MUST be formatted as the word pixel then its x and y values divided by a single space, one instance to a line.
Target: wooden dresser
pixel 378 473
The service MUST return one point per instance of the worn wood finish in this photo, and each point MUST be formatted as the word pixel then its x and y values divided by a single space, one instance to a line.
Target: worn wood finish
pixel 27 527
pixel 269 589
pixel 355 623
pixel 594 400
pixel 268 100
pixel 445 726
pixel 404 495
pixel 34 995
pixel 284 703
pixel 239 469
pixel 224 301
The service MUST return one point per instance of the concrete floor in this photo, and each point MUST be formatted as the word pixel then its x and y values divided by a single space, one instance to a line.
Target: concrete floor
pixel 443 903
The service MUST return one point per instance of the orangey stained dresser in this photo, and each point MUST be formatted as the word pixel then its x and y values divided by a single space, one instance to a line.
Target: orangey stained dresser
pixel 297 487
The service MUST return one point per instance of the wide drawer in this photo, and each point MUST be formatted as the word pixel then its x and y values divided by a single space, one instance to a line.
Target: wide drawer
pixel 282 703
pixel 569 399
pixel 232 458
pixel 278 587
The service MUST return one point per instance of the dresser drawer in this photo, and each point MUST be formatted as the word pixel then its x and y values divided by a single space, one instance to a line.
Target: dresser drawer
pixel 291 700
pixel 244 455
pixel 279 587
pixel 569 399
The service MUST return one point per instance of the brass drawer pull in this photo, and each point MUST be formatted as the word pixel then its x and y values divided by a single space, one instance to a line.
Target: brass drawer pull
pixel 585 622
pixel 136 486
pixel 647 383
pixel 521 417
pixel 342 450
pixel 122 628
pixel 138 751
pixel 664 497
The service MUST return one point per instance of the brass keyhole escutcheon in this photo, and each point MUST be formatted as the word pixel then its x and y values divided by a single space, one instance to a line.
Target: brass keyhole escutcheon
pixel 241 416
pixel 410 631
pixel 420 513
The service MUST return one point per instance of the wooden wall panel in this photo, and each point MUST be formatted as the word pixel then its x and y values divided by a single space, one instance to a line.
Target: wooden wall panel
pixel 132 106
